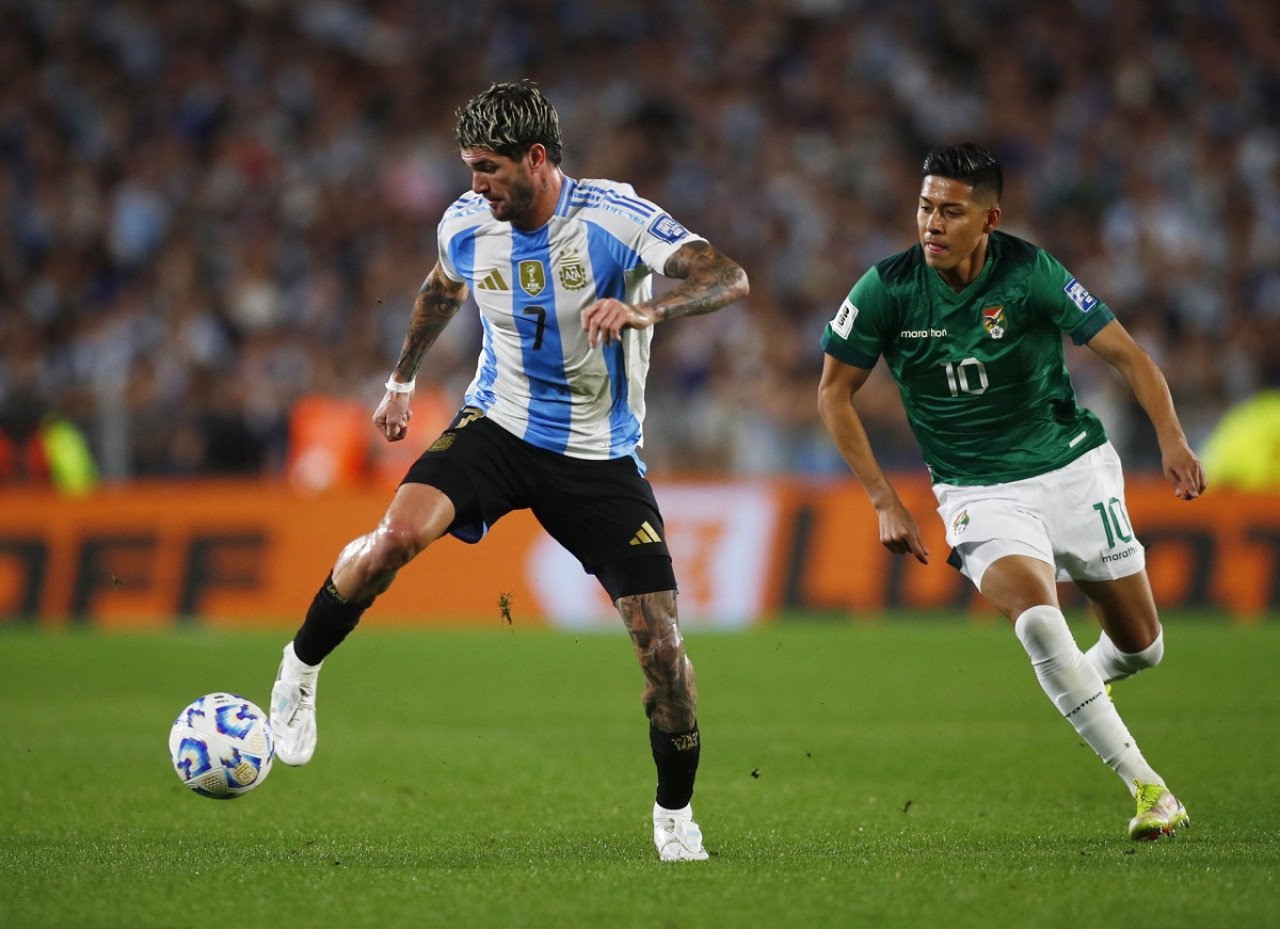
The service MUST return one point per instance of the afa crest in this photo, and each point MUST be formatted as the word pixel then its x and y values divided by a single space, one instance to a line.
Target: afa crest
pixel 533 277
pixel 573 273
pixel 993 320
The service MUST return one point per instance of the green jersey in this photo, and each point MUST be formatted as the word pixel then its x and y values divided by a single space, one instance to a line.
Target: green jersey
pixel 982 373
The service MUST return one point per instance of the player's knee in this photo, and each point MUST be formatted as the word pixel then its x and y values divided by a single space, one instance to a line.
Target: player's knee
pixel 663 658
pixel 392 546
pixel 1043 631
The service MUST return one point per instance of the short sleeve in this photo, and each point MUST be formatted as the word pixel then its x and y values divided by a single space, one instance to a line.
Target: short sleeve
pixel 640 232
pixel 1070 305
pixel 445 256
pixel 856 334
pixel 662 237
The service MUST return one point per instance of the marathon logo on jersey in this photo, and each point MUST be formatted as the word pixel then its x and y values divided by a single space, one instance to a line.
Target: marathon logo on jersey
pixel 667 229
pixel 1079 296
pixel 842 324
pixel 993 320
pixel 533 277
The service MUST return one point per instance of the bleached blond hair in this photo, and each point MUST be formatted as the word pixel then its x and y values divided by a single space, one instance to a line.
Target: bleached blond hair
pixel 508 119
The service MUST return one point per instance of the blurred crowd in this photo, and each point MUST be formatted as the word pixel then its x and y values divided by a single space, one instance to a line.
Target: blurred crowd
pixel 209 211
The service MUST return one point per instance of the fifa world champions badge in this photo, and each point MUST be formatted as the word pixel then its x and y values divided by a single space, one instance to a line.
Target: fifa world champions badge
pixel 533 277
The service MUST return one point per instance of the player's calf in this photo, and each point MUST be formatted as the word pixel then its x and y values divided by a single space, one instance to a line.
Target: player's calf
pixel 1115 665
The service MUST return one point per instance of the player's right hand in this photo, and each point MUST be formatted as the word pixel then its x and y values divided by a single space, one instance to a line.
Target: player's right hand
pixel 604 320
pixel 393 415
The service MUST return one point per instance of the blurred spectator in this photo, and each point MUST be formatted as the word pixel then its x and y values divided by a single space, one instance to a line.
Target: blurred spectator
pixel 209 211
pixel 40 447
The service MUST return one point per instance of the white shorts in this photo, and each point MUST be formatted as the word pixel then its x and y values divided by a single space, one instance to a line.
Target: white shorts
pixel 1073 518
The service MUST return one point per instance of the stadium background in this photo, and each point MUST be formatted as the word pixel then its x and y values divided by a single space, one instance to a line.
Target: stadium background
pixel 215 216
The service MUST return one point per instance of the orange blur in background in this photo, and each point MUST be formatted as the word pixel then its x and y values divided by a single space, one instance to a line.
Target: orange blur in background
pixel 254 552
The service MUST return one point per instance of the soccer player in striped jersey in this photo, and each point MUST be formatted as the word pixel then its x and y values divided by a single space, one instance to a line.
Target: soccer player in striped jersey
pixel 561 271
pixel 970 322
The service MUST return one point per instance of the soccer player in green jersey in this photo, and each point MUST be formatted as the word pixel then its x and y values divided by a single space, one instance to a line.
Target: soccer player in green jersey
pixel 970 323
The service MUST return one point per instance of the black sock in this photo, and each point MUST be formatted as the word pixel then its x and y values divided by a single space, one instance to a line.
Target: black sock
pixel 328 621
pixel 676 755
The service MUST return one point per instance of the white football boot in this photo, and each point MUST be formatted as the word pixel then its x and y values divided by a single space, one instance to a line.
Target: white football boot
pixel 676 834
pixel 293 709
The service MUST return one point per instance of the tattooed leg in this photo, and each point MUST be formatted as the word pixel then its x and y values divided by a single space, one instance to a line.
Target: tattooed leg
pixel 670 688
pixel 670 694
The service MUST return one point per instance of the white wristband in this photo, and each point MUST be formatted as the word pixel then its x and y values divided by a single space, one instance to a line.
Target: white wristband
pixel 396 387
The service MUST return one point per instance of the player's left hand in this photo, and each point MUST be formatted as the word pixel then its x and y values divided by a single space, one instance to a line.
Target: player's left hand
pixel 899 532
pixel 1184 471
pixel 605 319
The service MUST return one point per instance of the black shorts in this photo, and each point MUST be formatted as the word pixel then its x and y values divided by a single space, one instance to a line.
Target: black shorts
pixel 602 511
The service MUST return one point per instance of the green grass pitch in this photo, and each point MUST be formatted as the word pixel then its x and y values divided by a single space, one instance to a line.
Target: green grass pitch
pixel 903 772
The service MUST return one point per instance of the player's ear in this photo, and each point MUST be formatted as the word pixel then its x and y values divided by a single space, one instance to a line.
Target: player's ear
pixel 536 155
pixel 993 218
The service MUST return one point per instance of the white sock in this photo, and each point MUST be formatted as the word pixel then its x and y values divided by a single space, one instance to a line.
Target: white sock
pixel 293 668
pixel 1077 690
pixel 1115 665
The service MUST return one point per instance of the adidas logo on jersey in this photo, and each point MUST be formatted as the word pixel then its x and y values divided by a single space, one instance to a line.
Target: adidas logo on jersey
pixel 493 281
pixel 646 534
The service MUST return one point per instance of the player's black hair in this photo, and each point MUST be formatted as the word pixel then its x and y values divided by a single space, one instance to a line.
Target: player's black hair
pixel 968 163
pixel 508 119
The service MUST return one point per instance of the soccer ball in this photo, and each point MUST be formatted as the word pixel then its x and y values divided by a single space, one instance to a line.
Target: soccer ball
pixel 221 746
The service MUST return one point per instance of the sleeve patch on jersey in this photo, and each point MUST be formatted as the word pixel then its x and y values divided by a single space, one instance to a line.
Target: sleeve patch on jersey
pixel 842 324
pixel 667 229
pixel 1079 296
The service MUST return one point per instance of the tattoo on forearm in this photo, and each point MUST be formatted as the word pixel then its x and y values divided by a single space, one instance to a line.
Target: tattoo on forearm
pixel 670 694
pixel 432 310
pixel 709 281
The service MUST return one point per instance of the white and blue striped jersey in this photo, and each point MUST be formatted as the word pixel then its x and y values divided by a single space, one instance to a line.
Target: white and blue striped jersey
pixel 537 376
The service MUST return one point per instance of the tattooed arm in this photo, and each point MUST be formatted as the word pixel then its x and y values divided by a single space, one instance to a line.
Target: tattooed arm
pixel 438 302
pixel 708 281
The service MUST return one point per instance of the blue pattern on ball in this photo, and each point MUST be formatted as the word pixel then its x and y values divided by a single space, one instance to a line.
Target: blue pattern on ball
pixel 221 745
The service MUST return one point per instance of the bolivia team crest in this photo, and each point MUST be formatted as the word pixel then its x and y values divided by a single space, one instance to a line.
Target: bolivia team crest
pixel 994 322
pixel 960 523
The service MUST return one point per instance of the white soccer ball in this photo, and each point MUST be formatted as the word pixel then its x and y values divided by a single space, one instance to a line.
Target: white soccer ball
pixel 221 746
